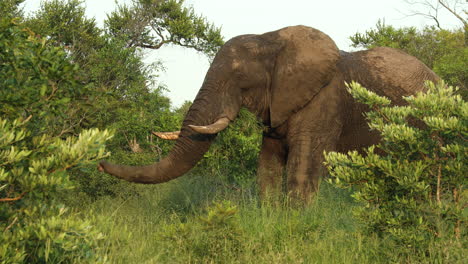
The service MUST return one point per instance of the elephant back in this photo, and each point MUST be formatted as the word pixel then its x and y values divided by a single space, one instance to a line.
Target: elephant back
pixel 386 71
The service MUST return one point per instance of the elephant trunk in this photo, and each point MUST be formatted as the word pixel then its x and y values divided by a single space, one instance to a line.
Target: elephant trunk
pixel 205 118
pixel 185 154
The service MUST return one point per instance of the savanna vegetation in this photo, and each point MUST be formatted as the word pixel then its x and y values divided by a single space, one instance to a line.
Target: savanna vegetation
pixel 72 92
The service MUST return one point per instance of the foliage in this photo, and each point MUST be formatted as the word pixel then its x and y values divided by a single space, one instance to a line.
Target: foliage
pixel 65 23
pixel 38 82
pixel 444 51
pixel 10 8
pixel 411 186
pixel 214 237
pixel 234 153
pixel 93 184
pixel 121 89
pixel 36 226
pixel 36 79
pixel 115 76
pixel 154 23
pixel 163 225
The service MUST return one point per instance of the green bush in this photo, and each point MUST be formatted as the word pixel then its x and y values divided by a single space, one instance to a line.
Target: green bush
pixel 92 184
pixel 40 98
pixel 217 236
pixel 234 153
pixel 37 79
pixel 36 226
pixel 411 186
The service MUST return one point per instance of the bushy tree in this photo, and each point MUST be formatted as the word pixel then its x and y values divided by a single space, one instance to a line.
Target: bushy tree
pixel 152 24
pixel 65 23
pixel 37 84
pixel 37 79
pixel 122 91
pixel 411 186
pixel 10 8
pixel 113 74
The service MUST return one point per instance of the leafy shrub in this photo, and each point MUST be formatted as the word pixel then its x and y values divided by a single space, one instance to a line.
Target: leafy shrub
pixel 234 153
pixel 40 100
pixel 216 237
pixel 94 184
pixel 37 79
pixel 36 226
pixel 413 189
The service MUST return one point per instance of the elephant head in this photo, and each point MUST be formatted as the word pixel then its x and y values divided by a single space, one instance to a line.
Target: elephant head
pixel 264 73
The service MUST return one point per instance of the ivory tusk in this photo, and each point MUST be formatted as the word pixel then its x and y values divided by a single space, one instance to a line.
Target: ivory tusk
pixel 167 135
pixel 214 128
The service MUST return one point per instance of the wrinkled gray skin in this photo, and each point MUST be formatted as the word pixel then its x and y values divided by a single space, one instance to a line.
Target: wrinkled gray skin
pixel 293 80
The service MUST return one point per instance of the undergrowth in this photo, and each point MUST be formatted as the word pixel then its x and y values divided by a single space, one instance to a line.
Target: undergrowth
pixel 197 219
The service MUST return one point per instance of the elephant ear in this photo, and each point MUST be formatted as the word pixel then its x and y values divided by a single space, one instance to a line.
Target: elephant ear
pixel 305 64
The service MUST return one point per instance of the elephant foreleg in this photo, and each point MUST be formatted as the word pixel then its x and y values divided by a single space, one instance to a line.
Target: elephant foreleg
pixel 304 168
pixel 312 130
pixel 271 164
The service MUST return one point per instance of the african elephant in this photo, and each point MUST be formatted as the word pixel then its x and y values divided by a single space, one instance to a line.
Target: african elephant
pixel 293 79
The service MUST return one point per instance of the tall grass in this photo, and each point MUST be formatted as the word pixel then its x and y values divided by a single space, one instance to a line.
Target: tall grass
pixel 198 219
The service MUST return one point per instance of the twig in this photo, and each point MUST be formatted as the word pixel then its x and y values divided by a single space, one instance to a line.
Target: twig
pixel 456 199
pixel 27 119
pixel 13 199
pixel 439 176
pixel 378 110
pixel 10 225
pixel 158 46
pixel 54 90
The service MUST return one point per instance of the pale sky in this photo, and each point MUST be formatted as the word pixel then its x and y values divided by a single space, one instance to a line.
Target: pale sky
pixel 186 69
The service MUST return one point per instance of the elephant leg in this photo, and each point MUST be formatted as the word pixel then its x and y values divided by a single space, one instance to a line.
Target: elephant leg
pixel 271 164
pixel 314 129
pixel 304 168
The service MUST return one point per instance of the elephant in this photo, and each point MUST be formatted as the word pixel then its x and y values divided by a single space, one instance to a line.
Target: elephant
pixel 293 80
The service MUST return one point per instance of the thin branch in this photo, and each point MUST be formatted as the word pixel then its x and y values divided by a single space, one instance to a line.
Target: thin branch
pixel 158 32
pixel 54 90
pixel 439 177
pixel 71 126
pixel 453 12
pixel 435 18
pixel 456 199
pixel 13 199
pixel 27 119
pixel 10 225
pixel 435 7
pixel 153 46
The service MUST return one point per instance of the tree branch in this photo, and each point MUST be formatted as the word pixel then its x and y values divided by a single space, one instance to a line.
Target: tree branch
pixel 158 46
pixel 453 12
pixel 435 8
